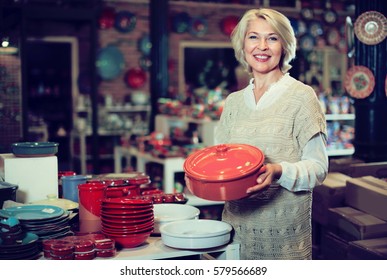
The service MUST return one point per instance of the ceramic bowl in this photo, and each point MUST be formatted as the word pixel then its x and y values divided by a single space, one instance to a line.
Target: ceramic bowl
pixel 129 240
pixel 169 212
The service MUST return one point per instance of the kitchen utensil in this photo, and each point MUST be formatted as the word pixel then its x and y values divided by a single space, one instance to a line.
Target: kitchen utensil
pixel 224 171
pixel 169 212
pixel 70 186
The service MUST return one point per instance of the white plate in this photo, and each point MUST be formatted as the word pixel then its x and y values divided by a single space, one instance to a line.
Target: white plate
pixel 195 234
pixel 167 212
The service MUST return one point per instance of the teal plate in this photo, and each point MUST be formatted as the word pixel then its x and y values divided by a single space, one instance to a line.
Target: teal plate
pixel 34 149
pixel 32 212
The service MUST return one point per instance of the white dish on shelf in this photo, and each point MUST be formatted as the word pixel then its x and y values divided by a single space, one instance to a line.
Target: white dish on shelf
pixel 196 234
pixel 169 212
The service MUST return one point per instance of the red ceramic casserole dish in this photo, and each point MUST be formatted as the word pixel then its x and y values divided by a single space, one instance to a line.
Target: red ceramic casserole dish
pixel 223 172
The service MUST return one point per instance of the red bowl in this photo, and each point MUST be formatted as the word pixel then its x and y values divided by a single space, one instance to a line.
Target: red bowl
pixel 126 201
pixel 107 230
pixel 130 240
pixel 127 218
pixel 126 211
pixel 120 223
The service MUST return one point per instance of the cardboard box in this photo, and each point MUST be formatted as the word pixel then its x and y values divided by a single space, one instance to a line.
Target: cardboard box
pixel 368 194
pixel 333 247
pixel 342 164
pixel 352 224
pixel 36 177
pixel 330 194
pixel 370 249
pixel 375 169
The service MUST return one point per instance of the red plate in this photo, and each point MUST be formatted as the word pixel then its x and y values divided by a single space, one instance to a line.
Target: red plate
pixel 371 27
pixel 125 201
pixel 359 82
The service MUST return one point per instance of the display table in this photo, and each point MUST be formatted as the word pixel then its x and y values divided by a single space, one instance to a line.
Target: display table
pixel 154 249
pixel 171 165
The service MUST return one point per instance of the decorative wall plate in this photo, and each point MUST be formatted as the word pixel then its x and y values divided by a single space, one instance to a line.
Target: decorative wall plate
pixel 198 26
pixel 333 36
pixel 125 21
pixel 307 42
pixel 316 28
pixel 330 16
pixel 371 27
pixel 359 82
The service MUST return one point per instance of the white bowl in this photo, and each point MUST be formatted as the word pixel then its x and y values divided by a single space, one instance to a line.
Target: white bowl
pixel 195 234
pixel 168 212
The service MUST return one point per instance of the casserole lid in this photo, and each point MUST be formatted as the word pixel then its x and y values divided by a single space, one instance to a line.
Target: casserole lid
pixel 223 162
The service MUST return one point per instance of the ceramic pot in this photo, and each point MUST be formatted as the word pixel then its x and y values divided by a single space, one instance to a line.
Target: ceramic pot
pixel 223 172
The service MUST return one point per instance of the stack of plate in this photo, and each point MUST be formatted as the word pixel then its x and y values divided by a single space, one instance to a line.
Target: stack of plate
pixel 45 221
pixel 128 221
pixel 27 249
pixel 196 234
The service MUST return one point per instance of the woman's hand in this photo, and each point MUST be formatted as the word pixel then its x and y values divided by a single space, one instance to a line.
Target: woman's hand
pixel 266 175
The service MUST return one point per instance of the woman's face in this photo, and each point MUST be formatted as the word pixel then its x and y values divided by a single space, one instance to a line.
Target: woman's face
pixel 262 47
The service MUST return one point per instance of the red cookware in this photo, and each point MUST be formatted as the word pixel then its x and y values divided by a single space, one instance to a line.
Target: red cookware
pixel 223 172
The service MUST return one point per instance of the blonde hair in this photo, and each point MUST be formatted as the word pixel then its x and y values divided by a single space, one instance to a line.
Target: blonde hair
pixel 281 25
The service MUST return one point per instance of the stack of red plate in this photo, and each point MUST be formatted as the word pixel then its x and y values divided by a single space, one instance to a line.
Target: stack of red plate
pixel 126 220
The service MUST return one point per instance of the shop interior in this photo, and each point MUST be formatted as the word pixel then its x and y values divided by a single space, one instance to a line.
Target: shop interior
pixel 137 85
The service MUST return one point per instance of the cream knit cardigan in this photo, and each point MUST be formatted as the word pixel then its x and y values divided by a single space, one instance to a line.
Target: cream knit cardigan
pixel 275 223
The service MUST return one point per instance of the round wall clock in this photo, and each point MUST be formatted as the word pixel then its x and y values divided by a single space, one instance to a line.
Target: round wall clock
pixel 359 82
pixel 371 27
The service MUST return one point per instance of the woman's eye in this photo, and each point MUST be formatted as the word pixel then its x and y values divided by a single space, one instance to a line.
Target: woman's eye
pixel 252 37
pixel 272 39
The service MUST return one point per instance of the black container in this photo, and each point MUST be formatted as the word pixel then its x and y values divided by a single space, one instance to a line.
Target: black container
pixel 7 192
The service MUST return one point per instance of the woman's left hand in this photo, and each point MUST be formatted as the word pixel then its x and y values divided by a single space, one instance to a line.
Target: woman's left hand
pixel 267 174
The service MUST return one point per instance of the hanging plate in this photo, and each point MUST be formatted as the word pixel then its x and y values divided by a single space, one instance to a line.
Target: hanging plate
pixel 125 21
pixel 330 16
pixel 359 82
pixel 307 42
pixel 135 78
pixel 180 22
pixel 145 44
pixel 307 13
pixel 316 28
pixel 198 26
pixel 228 24
pixel 371 27
pixel 333 36
pixel 106 19
pixel 110 62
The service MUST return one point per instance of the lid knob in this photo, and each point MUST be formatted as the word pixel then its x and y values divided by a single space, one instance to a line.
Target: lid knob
pixel 221 149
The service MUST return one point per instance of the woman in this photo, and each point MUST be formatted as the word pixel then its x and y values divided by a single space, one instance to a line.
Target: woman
pixel 282 117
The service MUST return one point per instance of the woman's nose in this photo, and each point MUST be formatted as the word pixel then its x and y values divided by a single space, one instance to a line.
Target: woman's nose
pixel 262 44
